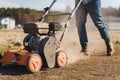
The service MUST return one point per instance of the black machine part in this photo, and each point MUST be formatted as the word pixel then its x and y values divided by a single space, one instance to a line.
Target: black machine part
pixel 47 51
pixel 54 26
pixel 45 47
pixel 31 42
pixel 42 28
pixel 35 29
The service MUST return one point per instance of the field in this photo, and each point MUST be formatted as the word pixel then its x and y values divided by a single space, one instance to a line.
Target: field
pixel 79 67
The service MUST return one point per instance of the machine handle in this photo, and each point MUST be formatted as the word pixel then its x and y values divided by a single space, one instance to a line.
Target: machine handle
pixel 70 16
pixel 47 11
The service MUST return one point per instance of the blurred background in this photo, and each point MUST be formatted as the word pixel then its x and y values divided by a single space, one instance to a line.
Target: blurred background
pixel 14 13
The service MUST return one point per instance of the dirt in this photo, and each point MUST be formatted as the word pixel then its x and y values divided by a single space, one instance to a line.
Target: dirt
pixel 96 67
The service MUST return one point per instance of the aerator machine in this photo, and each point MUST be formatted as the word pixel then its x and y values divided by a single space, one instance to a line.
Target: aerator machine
pixel 40 47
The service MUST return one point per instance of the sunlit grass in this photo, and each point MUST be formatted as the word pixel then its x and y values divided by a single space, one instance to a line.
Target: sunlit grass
pixel 5 30
pixel 10 46
pixel 75 43
pixel 7 48
pixel 117 42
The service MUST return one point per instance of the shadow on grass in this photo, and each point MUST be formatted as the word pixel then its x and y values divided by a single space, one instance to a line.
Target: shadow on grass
pixel 13 70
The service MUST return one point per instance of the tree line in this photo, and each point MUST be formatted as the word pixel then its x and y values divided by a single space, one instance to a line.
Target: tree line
pixel 110 11
pixel 22 15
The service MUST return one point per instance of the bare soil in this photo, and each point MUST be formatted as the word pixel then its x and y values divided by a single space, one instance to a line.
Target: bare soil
pixel 96 67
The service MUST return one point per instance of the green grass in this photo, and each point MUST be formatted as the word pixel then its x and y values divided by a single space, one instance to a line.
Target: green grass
pixel 75 43
pixel 6 48
pixel 117 42
pixel 5 30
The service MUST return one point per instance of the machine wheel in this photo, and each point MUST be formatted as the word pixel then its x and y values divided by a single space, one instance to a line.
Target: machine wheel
pixel 61 59
pixel 34 63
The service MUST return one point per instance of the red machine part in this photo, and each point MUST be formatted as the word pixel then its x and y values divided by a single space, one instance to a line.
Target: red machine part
pixel 32 61
pixel 9 56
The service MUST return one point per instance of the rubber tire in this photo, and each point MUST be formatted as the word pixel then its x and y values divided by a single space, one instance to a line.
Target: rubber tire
pixel 35 66
pixel 61 59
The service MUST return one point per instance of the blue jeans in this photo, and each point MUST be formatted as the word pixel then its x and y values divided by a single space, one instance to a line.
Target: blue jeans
pixel 94 10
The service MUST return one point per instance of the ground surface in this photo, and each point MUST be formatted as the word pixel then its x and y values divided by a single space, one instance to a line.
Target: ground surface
pixel 79 67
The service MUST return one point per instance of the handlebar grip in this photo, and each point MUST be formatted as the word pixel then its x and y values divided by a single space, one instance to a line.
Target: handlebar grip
pixel 55 0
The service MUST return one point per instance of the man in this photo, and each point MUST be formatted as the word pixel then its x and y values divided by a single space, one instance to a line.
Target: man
pixel 93 8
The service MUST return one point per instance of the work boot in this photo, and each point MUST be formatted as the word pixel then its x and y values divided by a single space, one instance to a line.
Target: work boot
pixel 84 49
pixel 109 46
pixel 84 52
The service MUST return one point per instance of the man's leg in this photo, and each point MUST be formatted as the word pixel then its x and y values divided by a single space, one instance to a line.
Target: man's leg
pixel 81 15
pixel 95 13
